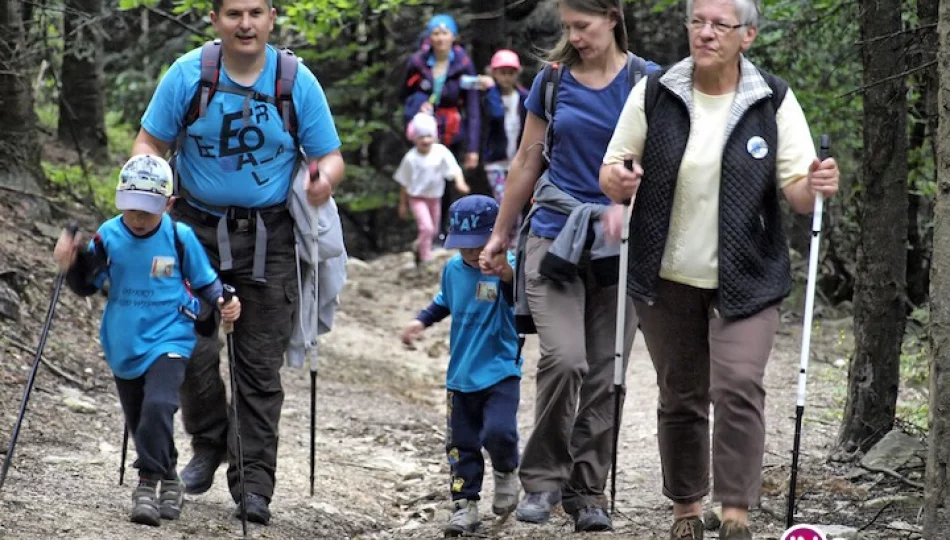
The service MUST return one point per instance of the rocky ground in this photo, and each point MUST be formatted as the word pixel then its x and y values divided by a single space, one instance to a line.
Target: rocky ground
pixel 380 471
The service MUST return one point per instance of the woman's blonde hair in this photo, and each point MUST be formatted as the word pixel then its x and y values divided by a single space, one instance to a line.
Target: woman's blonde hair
pixel 565 53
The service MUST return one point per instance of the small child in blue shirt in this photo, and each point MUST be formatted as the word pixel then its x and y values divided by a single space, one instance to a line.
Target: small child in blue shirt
pixel 148 327
pixel 483 382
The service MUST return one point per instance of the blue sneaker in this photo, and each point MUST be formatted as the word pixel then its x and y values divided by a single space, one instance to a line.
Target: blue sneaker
pixel 536 506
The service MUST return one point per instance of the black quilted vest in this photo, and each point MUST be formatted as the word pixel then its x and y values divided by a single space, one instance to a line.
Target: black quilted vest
pixel 754 267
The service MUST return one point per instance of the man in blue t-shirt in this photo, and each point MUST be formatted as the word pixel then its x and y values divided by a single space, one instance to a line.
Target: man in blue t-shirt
pixel 148 329
pixel 235 163
pixel 484 374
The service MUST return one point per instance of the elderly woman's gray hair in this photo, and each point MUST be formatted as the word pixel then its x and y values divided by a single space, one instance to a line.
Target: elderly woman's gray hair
pixel 746 10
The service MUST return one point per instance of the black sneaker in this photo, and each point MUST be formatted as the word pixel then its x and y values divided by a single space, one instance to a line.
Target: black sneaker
pixel 171 497
pixel 257 509
pixel 592 519
pixel 198 475
pixel 145 504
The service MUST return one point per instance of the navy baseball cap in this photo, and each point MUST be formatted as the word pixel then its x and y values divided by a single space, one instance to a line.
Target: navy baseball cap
pixel 471 221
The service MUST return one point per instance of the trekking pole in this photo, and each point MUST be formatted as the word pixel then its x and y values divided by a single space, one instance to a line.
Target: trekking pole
pixel 619 389
pixel 314 364
pixel 125 451
pixel 57 287
pixel 229 332
pixel 313 421
pixel 806 336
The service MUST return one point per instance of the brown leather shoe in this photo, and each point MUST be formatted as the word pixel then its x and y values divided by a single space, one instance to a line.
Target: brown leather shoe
pixel 687 528
pixel 732 530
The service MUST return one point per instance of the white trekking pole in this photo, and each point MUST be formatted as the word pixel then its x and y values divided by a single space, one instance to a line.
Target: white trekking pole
pixel 619 388
pixel 806 335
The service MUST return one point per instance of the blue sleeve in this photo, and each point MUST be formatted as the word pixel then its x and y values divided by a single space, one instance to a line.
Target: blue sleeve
pixel 533 103
pixel 316 130
pixel 198 270
pixel 88 274
pixel 493 104
pixel 165 115
pixel 439 308
pixel 473 108
pixel 211 292
pixel 413 104
pixel 652 67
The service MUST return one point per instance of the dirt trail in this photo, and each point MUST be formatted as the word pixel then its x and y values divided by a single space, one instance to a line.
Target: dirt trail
pixel 381 471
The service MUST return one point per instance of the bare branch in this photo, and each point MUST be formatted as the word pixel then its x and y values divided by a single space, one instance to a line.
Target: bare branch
pixel 905 73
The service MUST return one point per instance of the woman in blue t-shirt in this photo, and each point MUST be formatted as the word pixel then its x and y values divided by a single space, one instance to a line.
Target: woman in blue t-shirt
pixel 573 301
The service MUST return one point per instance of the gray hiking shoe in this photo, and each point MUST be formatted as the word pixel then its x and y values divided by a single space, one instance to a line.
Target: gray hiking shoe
pixel 592 519
pixel 145 505
pixel 464 518
pixel 171 497
pixel 536 506
pixel 687 528
pixel 506 492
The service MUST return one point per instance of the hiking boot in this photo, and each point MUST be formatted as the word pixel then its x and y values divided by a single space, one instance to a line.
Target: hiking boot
pixel 145 504
pixel 592 519
pixel 198 475
pixel 257 509
pixel 171 497
pixel 687 528
pixel 732 530
pixel 506 493
pixel 464 518
pixel 536 506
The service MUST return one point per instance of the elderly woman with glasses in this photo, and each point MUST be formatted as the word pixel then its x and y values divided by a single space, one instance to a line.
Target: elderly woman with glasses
pixel 711 261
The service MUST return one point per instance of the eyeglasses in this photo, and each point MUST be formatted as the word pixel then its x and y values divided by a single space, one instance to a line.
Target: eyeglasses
pixel 718 28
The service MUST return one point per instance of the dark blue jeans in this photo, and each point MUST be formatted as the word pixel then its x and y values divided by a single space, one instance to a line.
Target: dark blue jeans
pixel 487 418
pixel 149 404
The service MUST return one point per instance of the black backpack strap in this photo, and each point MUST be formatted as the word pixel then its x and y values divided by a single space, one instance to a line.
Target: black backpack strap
pixel 179 248
pixel 550 84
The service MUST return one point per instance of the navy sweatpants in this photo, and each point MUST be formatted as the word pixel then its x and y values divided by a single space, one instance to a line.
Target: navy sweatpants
pixel 150 403
pixel 487 418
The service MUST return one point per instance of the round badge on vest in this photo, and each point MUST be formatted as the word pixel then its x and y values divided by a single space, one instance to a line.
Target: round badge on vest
pixel 425 85
pixel 757 147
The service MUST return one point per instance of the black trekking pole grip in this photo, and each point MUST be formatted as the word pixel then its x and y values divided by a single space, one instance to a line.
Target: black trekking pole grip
pixel 227 294
pixel 72 229
pixel 824 150
pixel 627 164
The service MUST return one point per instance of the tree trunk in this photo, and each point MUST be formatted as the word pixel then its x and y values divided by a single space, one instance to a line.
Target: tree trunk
pixel 19 146
pixel 937 493
pixel 82 99
pixel 880 309
pixel 488 32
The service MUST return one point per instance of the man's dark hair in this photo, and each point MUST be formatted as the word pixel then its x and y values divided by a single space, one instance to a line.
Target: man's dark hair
pixel 216 5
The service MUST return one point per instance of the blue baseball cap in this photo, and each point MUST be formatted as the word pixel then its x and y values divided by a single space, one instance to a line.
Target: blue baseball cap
pixel 471 221
pixel 442 20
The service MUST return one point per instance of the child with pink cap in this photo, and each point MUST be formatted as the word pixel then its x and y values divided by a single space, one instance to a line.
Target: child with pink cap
pixel 503 117
pixel 422 174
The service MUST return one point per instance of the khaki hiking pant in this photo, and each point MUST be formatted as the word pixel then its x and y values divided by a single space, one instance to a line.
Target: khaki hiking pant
pixel 702 359
pixel 261 336
pixel 571 445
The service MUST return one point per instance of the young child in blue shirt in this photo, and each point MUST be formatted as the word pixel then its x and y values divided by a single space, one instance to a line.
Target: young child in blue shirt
pixel 483 382
pixel 147 331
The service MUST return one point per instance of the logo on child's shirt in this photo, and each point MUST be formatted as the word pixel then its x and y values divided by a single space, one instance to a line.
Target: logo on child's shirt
pixel 163 267
pixel 486 291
